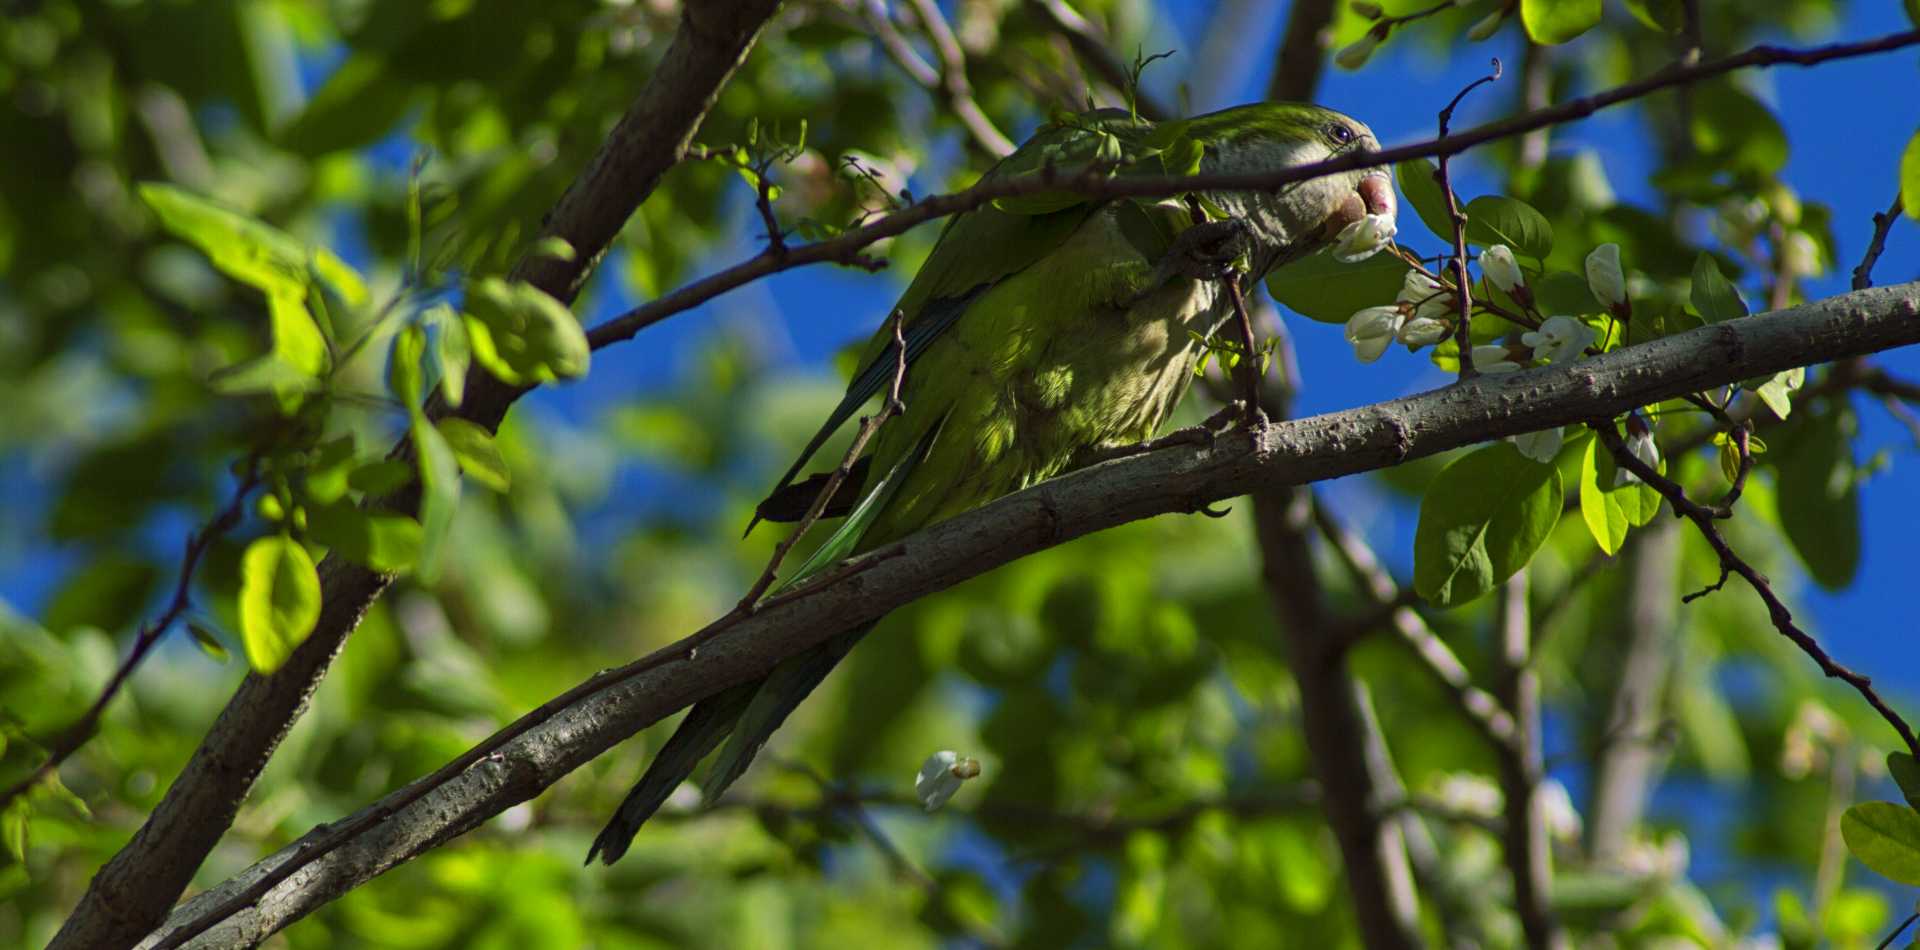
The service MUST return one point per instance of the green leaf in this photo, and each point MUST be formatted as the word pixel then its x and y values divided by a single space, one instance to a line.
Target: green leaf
pixel 439 490
pixel 1482 519
pixel 279 600
pixel 454 352
pixel 1321 288
pixel 1910 159
pixel 207 641
pixel 1714 296
pixel 384 542
pixel 249 250
pixel 1497 219
pixel 328 469
pixel 1737 132
pixel 1818 495
pixel 360 102
pixel 1610 511
pixel 1562 292
pixel 1885 837
pixel 522 335
pixel 380 477
pixel 1777 391
pixel 1417 182
pixel 1665 16
pixel 1906 773
pixel 403 364
pixel 1556 21
pixel 1913 16
pixel 478 456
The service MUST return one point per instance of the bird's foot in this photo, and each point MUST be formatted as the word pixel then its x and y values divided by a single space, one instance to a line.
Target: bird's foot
pixel 1203 434
pixel 1205 251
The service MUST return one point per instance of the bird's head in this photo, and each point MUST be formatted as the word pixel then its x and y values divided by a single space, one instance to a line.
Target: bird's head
pixel 1306 215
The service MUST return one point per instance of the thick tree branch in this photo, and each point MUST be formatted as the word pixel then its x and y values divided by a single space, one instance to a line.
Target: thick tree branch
pixel 574 728
pixel 132 892
pixel 848 246
pixel 1647 630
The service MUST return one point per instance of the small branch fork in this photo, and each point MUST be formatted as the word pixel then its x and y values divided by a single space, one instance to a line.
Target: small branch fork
pixel 1882 224
pixel 76 735
pixel 1463 300
pixel 889 408
pixel 1703 518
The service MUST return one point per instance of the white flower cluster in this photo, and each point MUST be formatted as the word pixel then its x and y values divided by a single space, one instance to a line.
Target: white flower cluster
pixel 1416 318
pixel 941 775
pixel 1364 238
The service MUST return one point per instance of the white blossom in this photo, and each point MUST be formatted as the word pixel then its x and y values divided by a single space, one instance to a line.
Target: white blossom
pixel 1604 277
pixel 1422 331
pixel 1429 299
pixel 1563 821
pixel 1561 339
pixel 941 775
pixel 1494 359
pixel 1641 445
pixel 1372 330
pixel 1540 446
pixel 1497 262
pixel 1364 238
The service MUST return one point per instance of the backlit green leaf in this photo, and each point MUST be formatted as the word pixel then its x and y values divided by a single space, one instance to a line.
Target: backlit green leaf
pixel 1417 182
pixel 439 490
pixel 478 456
pixel 522 335
pixel 1910 165
pixel 1557 21
pixel 279 600
pixel 1819 497
pixel 384 542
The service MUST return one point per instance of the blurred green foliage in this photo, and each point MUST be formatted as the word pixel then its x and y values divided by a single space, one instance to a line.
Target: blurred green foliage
pixel 1145 778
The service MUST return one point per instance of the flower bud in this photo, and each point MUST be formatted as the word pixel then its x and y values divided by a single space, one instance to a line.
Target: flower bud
pixel 1372 330
pixel 1540 446
pixel 1422 331
pixel 1498 264
pixel 941 775
pixel 1604 277
pixel 1364 238
pixel 1493 359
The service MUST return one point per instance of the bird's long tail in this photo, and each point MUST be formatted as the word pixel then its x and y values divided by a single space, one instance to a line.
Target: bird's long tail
pixel 751 712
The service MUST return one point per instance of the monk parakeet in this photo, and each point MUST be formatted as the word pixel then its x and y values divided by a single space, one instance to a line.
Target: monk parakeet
pixel 1038 329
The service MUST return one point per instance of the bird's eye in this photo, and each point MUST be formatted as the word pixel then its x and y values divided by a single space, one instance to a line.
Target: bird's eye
pixel 1340 134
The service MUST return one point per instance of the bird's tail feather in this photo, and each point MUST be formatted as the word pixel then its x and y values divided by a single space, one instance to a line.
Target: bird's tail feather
pixel 699 734
pixel 780 693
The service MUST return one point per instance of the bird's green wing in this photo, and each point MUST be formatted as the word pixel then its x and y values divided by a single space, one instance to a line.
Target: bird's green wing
pixel 981 248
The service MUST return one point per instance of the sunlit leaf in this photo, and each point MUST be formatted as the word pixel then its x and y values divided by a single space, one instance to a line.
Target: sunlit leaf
pixel 1417 182
pixel 384 542
pixel 1557 21
pixel 279 600
pixel 439 490
pixel 1910 164
pixel 522 335
pixel 478 456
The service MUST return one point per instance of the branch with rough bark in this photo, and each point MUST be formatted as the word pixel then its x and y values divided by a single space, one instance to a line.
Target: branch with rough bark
pixel 133 892
pixel 579 725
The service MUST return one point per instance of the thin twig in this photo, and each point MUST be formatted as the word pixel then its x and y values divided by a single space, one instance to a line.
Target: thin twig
pixel 1731 563
pixel 948 80
pixel 1463 297
pixel 1897 931
pixel 1250 361
pixel 76 735
pixel 1479 706
pixel 848 247
pixel 868 426
pixel 1882 224
pixel 1090 42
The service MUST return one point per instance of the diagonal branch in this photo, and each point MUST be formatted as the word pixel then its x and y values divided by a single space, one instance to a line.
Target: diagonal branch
pixel 572 729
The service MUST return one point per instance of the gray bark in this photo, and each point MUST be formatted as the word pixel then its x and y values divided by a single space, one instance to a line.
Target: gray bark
pixel 567 733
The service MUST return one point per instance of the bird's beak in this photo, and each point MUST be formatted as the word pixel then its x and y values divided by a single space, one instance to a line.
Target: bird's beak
pixel 1376 191
pixel 1373 195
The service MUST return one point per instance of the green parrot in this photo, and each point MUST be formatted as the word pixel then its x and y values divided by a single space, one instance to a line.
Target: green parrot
pixel 1039 330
